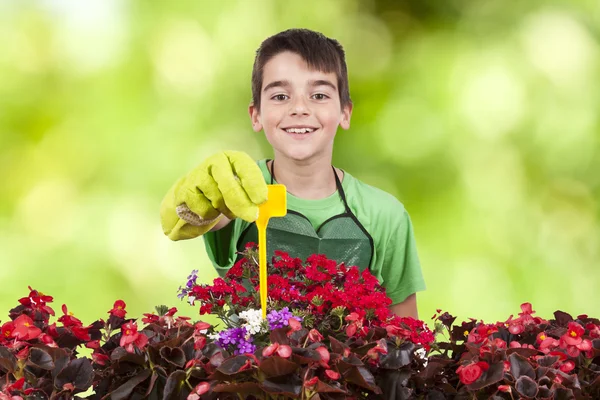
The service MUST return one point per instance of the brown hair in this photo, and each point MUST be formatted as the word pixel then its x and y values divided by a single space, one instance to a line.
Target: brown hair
pixel 319 52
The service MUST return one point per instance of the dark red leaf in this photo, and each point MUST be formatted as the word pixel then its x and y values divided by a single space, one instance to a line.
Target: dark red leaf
pixel 175 382
pixel 233 365
pixel 7 360
pixel 123 391
pixel 277 366
pixel 173 356
pixel 562 318
pixel 520 366
pixel 79 373
pixel 362 377
pixel 527 387
pixel 244 388
pixel 41 359
pixel 291 387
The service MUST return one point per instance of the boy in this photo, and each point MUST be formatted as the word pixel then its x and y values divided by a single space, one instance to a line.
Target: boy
pixel 300 96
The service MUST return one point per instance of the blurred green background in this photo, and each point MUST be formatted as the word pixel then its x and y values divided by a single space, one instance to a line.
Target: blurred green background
pixel 482 117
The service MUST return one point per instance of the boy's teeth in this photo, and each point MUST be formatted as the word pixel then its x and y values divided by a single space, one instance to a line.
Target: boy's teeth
pixel 299 130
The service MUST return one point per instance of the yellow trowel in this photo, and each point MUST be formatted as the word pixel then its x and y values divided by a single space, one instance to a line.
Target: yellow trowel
pixel 275 206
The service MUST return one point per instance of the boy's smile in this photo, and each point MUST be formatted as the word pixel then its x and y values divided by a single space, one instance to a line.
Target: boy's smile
pixel 300 108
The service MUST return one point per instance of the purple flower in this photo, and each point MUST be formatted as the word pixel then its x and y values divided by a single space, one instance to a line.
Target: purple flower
pixel 279 319
pixel 183 291
pixel 237 339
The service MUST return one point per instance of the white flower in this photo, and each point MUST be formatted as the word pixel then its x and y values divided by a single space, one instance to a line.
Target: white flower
pixel 254 321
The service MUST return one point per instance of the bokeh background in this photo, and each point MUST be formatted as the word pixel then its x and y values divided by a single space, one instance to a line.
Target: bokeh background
pixel 482 117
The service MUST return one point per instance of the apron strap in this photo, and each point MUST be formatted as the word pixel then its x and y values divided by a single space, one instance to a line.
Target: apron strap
pixel 338 185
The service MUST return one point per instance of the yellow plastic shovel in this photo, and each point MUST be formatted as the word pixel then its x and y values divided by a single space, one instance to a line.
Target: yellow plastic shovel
pixel 275 206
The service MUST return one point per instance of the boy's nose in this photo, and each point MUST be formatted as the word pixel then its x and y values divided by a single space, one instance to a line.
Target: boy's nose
pixel 299 107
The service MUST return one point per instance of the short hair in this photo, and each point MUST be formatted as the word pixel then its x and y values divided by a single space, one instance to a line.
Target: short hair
pixel 319 52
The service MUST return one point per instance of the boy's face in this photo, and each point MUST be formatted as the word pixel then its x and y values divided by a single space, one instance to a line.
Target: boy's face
pixel 299 109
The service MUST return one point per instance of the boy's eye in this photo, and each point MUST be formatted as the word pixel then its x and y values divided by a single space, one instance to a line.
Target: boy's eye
pixel 279 97
pixel 320 96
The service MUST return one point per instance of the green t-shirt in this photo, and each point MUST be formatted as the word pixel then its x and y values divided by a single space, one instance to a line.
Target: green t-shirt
pixel 395 261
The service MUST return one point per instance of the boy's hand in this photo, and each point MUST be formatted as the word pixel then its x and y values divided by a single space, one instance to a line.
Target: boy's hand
pixel 228 183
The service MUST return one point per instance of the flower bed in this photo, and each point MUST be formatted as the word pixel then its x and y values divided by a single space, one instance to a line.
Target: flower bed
pixel 328 335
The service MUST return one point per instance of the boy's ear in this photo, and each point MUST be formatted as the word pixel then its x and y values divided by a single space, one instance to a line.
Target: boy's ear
pixel 346 114
pixel 255 117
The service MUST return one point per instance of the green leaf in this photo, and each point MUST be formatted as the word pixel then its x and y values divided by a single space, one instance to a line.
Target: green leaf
pixel 40 358
pixel 175 382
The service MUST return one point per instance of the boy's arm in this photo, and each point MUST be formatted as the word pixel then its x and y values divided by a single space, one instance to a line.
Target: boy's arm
pixel 400 268
pixel 407 308
pixel 225 186
pixel 222 223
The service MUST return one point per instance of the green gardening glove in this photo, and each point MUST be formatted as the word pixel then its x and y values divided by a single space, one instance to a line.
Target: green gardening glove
pixel 229 183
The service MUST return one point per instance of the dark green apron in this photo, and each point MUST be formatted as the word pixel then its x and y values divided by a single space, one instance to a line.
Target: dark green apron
pixel 341 238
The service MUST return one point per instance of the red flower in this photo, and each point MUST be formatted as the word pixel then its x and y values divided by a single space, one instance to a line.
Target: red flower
pixel 381 348
pixel 312 382
pixel 294 324
pixel 282 350
pixel 131 337
pixel 68 319
pixel 199 390
pixel 469 373
pixel 99 358
pixel 594 330
pixel 573 342
pixel 37 301
pixel 7 331
pixel 47 340
pixel 324 353
pixel 314 336
pixel 25 329
pixel 331 374
pixel 567 366
pixel 118 309
pixel 504 388
pixel 574 334
pixel 150 318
